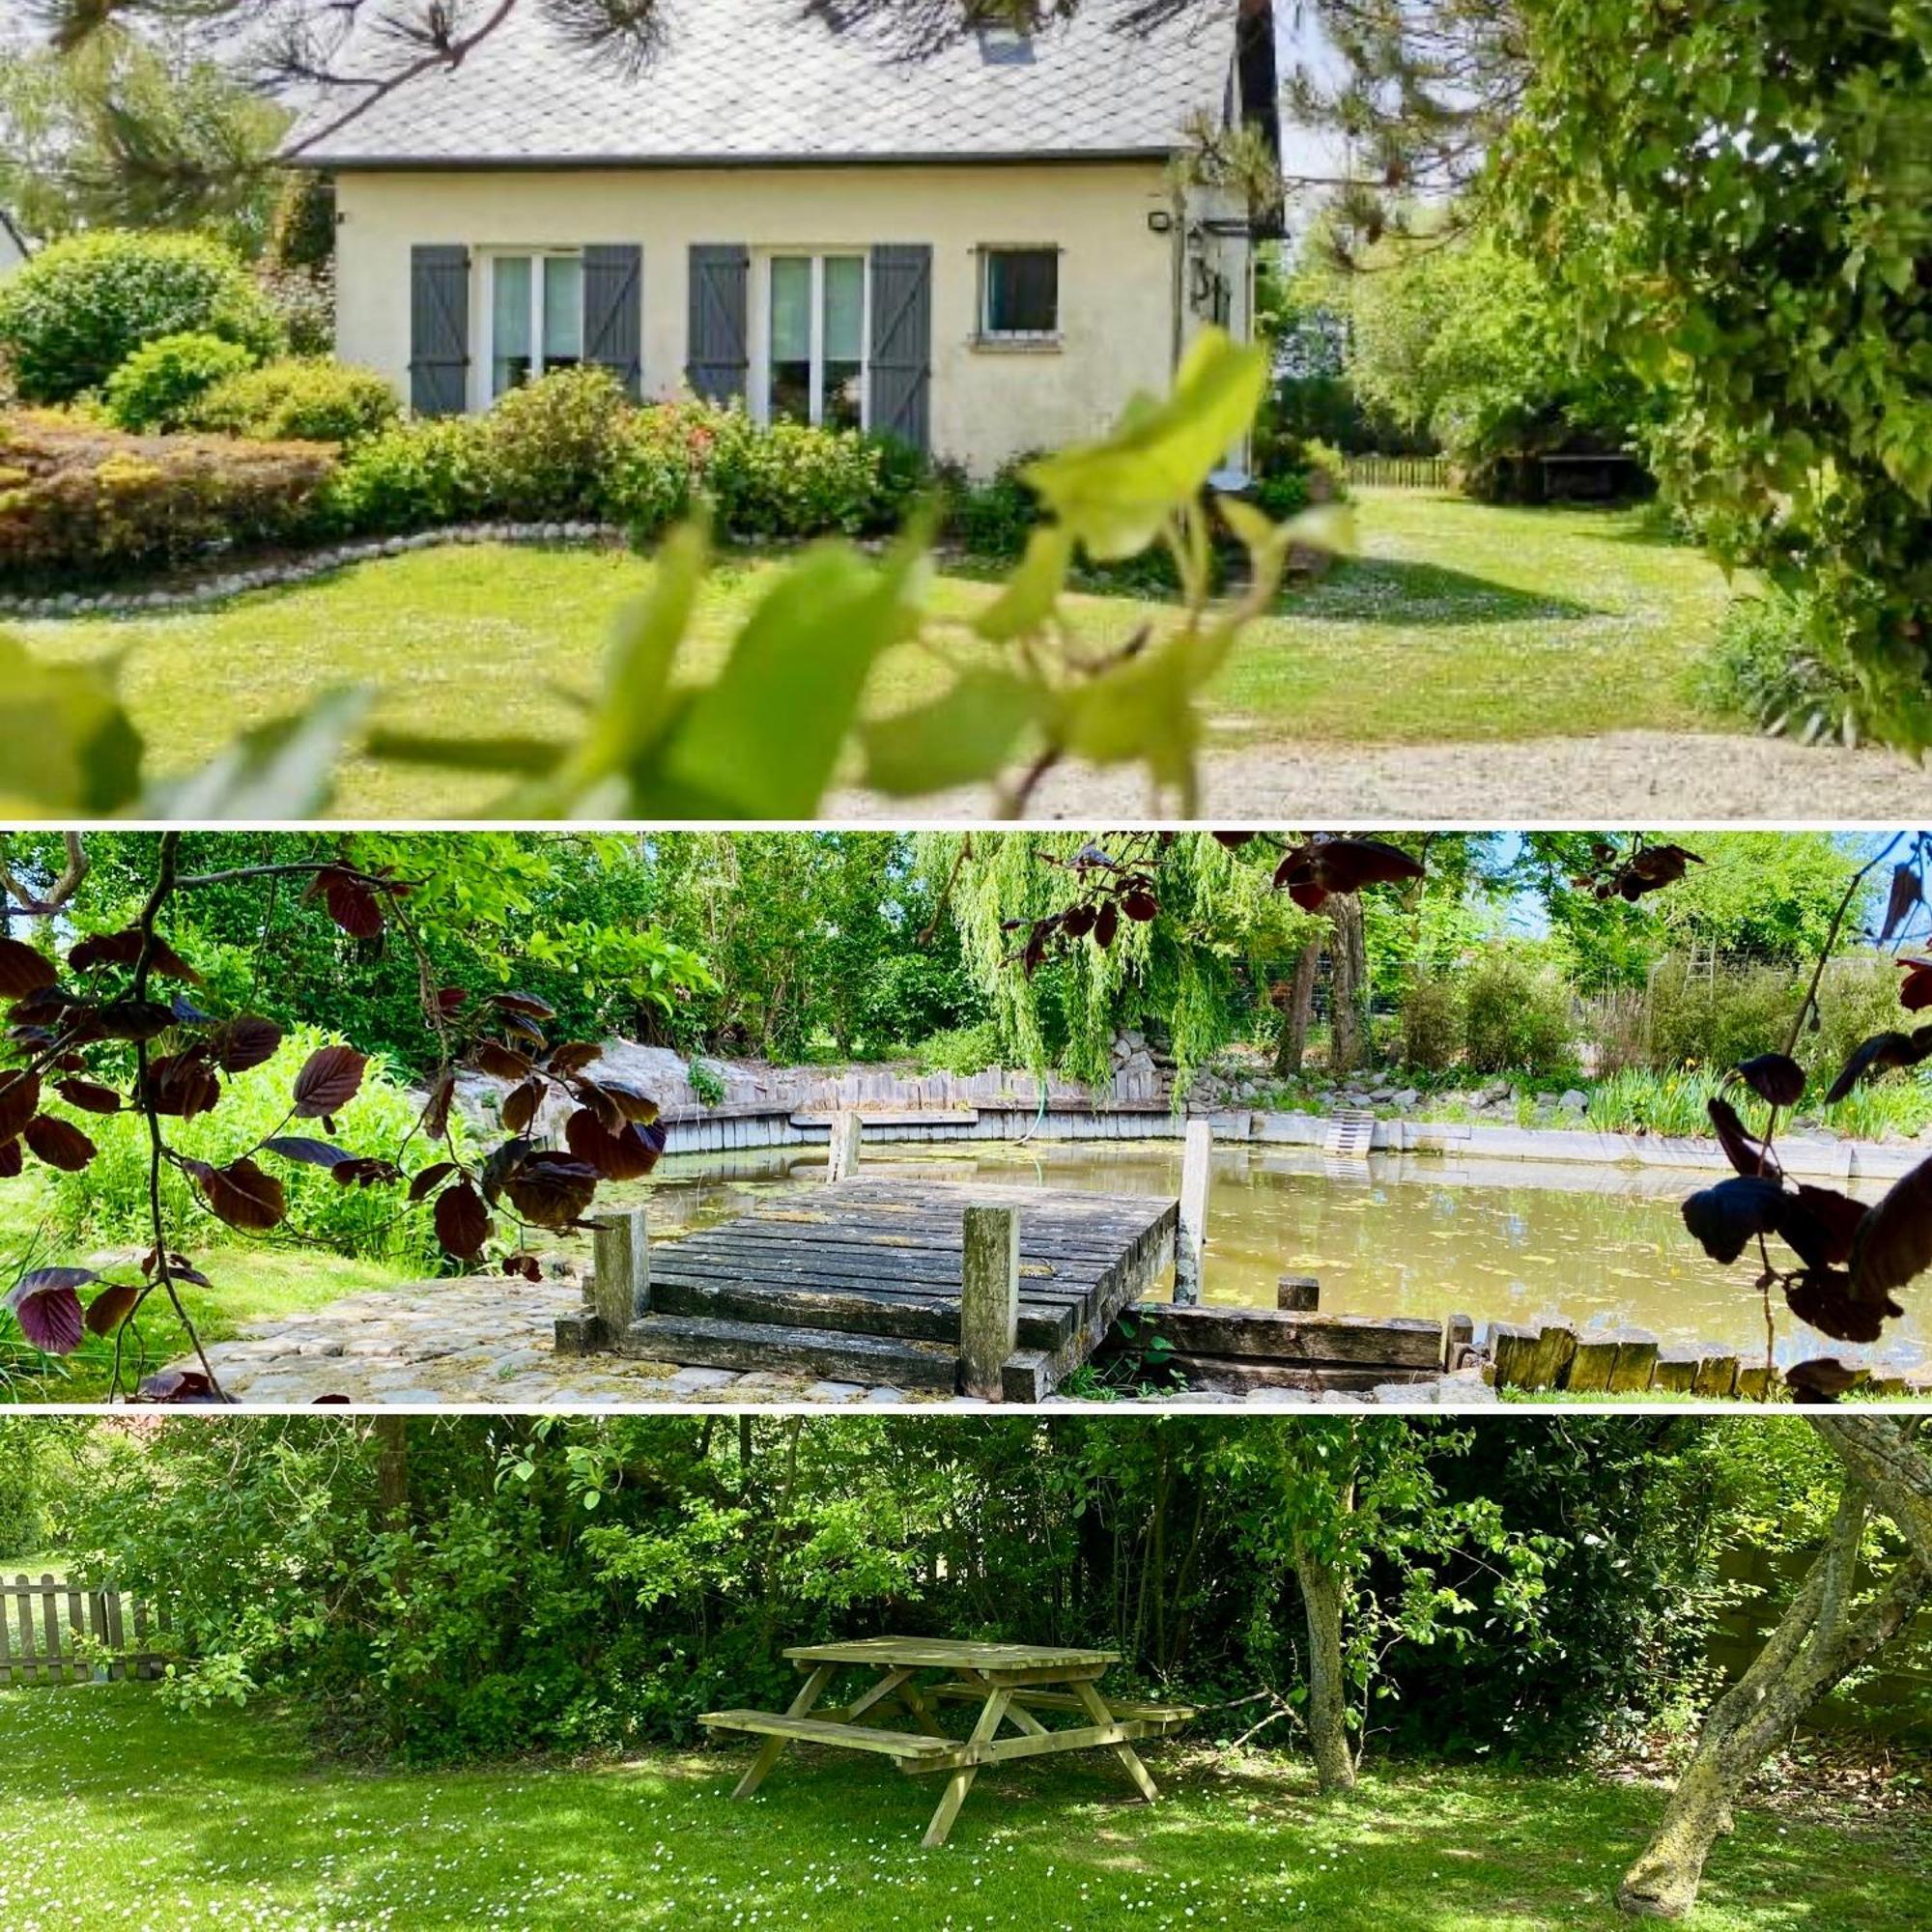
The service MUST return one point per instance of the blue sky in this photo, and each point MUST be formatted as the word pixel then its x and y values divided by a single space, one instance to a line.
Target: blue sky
pixel 1524 912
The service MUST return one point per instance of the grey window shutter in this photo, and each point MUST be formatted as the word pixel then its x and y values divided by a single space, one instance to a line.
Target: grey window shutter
pixel 721 277
pixel 439 331
pixel 613 311
pixel 902 343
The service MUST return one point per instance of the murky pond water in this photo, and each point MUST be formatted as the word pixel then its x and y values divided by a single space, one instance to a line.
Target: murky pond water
pixel 1506 1241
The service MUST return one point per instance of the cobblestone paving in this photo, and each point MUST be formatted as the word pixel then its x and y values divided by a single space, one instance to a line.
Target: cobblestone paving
pixel 488 1342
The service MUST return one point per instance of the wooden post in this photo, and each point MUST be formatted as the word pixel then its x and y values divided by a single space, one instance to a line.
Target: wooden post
pixel 849 1131
pixel 621 1285
pixel 1512 1348
pixel 1591 1366
pixel 1550 1357
pixel 989 1297
pixel 1636 1364
pixel 1196 1165
pixel 1298 1293
pixel 1677 1365
pixel 1459 1337
pixel 1716 1377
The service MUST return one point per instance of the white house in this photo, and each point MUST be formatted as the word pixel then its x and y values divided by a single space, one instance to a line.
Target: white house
pixel 980 247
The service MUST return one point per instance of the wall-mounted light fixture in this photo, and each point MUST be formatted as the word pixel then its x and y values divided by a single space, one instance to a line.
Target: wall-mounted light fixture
pixel 1160 221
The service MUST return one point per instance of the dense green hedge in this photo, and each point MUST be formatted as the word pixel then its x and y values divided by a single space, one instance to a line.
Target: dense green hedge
pixel 305 399
pixel 533 1621
pixel 571 447
pixel 79 309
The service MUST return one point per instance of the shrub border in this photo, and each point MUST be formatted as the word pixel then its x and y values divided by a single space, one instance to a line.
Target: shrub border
pixel 299 569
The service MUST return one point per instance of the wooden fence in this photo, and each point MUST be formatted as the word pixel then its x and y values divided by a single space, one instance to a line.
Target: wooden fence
pixel 1399 473
pixel 80 1634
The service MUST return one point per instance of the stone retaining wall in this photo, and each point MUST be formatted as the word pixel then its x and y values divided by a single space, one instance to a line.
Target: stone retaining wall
pixel 791 1106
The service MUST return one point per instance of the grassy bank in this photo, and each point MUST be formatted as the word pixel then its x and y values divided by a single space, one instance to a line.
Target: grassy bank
pixel 1460 621
pixel 172 1820
pixel 250 1281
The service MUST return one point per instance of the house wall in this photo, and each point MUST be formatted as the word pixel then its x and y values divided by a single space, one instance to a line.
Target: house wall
pixel 1118 276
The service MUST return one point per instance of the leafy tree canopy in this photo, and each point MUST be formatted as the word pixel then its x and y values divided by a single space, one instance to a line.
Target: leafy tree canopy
pixel 1735 198
pixel 136 129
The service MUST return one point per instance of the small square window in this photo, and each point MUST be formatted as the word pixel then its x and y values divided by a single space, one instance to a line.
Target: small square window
pixel 1019 293
pixel 1001 43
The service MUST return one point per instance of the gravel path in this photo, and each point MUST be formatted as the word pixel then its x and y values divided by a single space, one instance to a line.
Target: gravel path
pixel 1628 778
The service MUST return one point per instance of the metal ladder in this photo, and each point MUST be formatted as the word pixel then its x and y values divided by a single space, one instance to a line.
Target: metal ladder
pixel 1350 1134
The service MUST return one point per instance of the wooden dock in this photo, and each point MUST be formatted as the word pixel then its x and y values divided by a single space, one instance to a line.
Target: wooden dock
pixel 860 1281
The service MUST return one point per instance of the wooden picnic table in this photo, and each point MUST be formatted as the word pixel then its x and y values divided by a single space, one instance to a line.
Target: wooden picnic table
pixel 1011 1684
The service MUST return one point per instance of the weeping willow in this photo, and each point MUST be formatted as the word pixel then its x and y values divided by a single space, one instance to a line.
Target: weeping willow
pixel 1196 975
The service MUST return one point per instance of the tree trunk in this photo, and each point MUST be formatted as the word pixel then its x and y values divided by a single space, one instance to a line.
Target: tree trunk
pixel 1884 1457
pixel 393 1470
pixel 1290 1046
pixel 1818 1642
pixel 1348 987
pixel 1328 1695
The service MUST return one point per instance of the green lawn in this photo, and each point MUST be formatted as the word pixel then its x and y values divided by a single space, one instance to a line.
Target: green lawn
pixel 37 1564
pixel 116 1812
pixel 1461 621
pixel 253 1280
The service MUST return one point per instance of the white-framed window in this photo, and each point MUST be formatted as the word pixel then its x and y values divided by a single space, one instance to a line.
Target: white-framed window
pixel 818 326
pixel 533 316
pixel 1020 294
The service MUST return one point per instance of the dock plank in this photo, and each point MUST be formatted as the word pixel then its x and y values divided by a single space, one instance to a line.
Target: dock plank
pixel 860 1279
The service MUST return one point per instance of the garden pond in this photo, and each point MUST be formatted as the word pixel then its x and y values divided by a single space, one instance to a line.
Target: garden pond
pixel 1420 1235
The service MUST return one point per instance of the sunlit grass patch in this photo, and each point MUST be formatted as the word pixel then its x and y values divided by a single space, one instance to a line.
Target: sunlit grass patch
pixel 1461 621
pixel 173 1819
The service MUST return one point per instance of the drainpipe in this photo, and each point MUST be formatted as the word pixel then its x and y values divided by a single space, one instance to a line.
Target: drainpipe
pixel 1179 245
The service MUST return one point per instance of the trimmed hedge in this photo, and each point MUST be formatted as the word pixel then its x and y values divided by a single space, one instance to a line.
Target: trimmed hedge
pixel 82 503
pixel 570 445
pixel 319 452
pixel 76 311
pixel 299 399
pixel 411 476
pixel 163 384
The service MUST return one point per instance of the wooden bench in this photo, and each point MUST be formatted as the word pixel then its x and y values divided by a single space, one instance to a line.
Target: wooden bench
pixel 824 1731
pixel 1168 1717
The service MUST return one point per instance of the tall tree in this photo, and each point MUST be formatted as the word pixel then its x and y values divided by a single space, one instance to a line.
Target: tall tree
pixel 136 131
pixel 1834 1624
pixel 1735 198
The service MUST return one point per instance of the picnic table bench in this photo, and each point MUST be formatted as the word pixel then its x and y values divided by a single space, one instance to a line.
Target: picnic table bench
pixel 1010 1683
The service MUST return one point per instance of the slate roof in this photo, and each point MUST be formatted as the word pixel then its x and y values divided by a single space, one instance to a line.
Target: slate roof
pixel 743 81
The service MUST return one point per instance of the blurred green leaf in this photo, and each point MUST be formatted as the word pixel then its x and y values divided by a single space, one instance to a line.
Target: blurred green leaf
pixel 765 738
pixel 284 770
pixel 1115 496
pixel 961 738
pixel 70 744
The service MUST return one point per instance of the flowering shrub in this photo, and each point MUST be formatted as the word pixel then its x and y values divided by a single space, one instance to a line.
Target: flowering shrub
pixel 659 466
pixel 551 446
